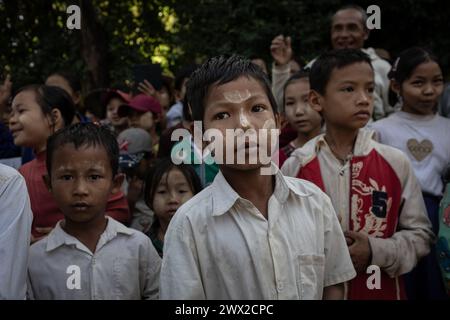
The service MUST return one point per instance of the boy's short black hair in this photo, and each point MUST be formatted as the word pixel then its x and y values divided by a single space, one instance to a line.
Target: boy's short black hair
pixel 84 134
pixel 320 72
pixel 220 70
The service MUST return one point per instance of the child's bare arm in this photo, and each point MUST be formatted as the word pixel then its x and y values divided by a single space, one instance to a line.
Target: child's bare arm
pixel 334 292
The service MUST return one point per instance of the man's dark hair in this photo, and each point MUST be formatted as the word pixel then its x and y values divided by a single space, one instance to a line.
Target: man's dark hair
pixel 363 13
pixel 320 72
pixel 84 135
pixel 221 70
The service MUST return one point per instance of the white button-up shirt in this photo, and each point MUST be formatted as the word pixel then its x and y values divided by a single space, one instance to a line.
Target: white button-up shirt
pixel 15 233
pixel 219 246
pixel 125 265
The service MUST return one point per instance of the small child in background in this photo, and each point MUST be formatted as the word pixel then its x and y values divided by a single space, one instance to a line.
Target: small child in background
pixel 88 255
pixel 167 187
pixel 422 135
pixel 112 100
pixel 299 113
pixel 165 96
pixel 135 159
pixel 143 112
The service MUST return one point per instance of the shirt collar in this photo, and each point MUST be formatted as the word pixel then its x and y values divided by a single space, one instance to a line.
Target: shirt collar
pixel 362 144
pixel 58 237
pixel 224 196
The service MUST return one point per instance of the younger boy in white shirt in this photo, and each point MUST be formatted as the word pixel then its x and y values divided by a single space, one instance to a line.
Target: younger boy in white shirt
pixel 87 255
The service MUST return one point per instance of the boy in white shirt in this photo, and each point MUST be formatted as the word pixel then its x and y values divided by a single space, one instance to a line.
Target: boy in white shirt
pixel 88 255
pixel 248 235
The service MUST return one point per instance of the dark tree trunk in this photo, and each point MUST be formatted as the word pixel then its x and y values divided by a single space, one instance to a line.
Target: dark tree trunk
pixel 94 48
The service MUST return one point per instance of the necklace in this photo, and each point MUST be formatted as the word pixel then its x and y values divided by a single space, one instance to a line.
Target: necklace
pixel 344 159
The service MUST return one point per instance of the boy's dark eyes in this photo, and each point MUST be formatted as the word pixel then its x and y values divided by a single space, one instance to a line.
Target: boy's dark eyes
pixel 258 108
pixel 347 89
pixel 221 116
pixel 65 177
pixel 95 176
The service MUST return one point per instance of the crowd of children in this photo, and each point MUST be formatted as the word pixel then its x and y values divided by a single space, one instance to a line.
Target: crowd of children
pixel 110 213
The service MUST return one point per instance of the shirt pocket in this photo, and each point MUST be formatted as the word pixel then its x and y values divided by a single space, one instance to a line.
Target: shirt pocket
pixel 126 278
pixel 310 274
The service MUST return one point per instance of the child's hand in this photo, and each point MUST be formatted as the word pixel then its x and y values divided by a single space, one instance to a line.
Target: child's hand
pixel 359 249
pixel 281 50
pixel 5 90
pixel 147 88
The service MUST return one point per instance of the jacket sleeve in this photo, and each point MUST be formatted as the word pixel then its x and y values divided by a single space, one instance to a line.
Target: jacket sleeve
pixel 400 253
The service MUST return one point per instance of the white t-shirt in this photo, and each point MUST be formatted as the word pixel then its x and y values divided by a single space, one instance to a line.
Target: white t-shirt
pixel 219 246
pixel 424 139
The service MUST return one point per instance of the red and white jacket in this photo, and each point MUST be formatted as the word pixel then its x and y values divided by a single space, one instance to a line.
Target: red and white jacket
pixel 375 192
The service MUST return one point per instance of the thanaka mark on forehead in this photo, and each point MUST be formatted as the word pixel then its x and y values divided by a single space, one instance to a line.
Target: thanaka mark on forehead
pixel 237 96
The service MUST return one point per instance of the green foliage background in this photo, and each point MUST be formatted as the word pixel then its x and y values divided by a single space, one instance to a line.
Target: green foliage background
pixel 35 41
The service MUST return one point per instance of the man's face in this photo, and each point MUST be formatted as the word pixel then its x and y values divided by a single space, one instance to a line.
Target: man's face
pixel 348 30
pixel 243 107
pixel 348 100
pixel 82 182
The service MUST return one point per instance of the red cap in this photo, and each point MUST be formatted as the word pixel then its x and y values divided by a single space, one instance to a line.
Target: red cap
pixel 111 93
pixel 141 103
